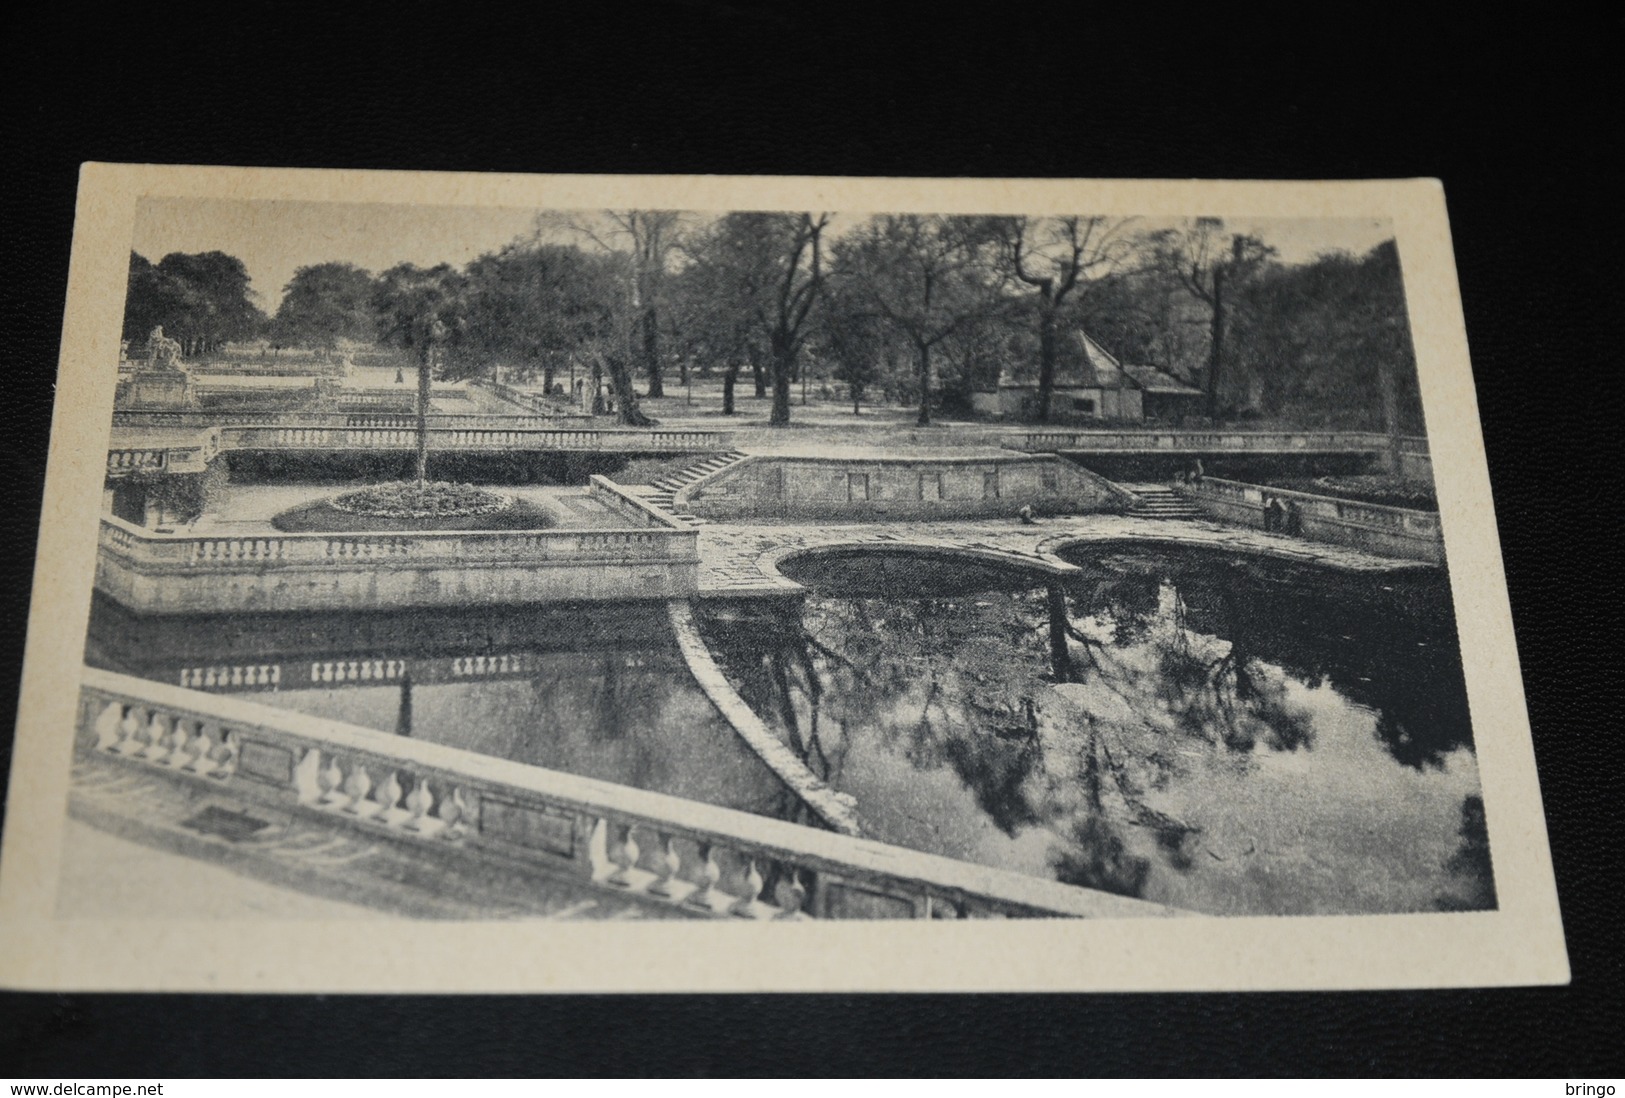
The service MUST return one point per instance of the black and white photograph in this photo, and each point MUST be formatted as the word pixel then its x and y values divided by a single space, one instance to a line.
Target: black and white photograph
pixel 1057 562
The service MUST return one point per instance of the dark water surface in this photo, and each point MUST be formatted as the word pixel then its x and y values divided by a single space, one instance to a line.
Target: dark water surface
pixel 601 692
pixel 1224 734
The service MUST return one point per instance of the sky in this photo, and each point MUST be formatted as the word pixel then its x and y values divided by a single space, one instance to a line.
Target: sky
pixel 273 239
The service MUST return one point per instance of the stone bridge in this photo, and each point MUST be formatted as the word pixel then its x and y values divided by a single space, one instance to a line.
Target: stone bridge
pixel 1195 443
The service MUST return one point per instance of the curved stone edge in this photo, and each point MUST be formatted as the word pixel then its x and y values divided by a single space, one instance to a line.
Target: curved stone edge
pixel 837 810
pixel 1238 540
pixel 1043 561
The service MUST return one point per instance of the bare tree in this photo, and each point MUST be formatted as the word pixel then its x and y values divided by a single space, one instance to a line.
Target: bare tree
pixel 648 239
pixel 928 276
pixel 1207 262
pixel 1055 256
pixel 766 272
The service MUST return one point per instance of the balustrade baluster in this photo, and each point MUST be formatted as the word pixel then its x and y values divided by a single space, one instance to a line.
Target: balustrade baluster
pixel 129 733
pixel 108 727
pixel 624 854
pixel 157 732
pixel 453 813
pixel 750 888
pixel 419 803
pixel 307 777
pixel 388 798
pixel 225 756
pixel 331 781
pixel 667 863
pixel 356 788
pixel 790 894
pixel 705 896
pixel 196 756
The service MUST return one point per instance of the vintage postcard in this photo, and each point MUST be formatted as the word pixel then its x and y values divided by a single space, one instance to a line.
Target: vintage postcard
pixel 569 583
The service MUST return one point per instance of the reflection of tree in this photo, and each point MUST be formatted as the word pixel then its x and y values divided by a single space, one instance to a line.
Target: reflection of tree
pixel 1140 646
pixel 1387 644
pixel 1470 864
pixel 1080 707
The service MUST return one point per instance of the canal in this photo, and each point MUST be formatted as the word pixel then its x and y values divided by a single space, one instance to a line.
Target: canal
pixel 598 691
pixel 1221 733
pixel 1224 734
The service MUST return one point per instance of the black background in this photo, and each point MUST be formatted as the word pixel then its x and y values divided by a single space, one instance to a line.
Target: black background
pixel 1517 118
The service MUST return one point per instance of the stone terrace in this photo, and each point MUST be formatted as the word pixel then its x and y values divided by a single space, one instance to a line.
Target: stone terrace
pixel 739 560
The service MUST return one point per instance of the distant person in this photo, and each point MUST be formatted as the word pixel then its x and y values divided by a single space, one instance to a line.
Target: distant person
pixel 1026 515
pixel 400 376
pixel 1196 472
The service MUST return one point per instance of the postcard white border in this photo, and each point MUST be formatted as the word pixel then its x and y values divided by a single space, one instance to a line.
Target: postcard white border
pixel 1519 943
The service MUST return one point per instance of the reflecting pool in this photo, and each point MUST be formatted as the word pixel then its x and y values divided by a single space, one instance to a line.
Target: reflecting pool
pixel 602 692
pixel 1225 734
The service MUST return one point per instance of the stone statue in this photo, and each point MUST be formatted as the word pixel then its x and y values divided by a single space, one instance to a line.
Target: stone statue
pixel 163 382
pixel 163 353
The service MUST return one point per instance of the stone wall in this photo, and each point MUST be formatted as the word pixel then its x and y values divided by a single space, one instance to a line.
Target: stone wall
pixel 153 573
pixel 891 487
pixel 1389 531
pixel 1415 466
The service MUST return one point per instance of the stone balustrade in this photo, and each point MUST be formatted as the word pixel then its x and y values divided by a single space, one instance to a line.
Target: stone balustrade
pixel 204 552
pixel 1182 441
pixel 214 573
pixel 456 437
pixel 700 859
pixel 524 398
pixel 165 449
pixel 121 461
pixel 1392 531
pixel 399 420
pixel 628 505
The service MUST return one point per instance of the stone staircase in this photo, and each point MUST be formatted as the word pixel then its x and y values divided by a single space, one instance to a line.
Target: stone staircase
pixel 1161 501
pixel 663 492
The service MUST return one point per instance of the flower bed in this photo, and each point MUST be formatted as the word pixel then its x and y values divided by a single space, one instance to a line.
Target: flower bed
pixel 431 500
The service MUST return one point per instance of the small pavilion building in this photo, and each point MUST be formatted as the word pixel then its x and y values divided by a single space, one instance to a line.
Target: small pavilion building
pixel 1090 384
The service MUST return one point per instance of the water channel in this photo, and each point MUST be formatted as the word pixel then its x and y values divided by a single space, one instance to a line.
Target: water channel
pixel 1225 734
pixel 600 692
pixel 1228 735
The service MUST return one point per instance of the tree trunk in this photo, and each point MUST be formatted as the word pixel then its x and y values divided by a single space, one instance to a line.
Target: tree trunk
pixel 1060 652
pixel 1216 346
pixel 1046 359
pixel 651 352
pixel 626 397
pixel 857 396
pixel 925 384
pixel 403 716
pixel 784 363
pixel 425 381
pixel 1390 412
pixel 547 377
pixel 728 380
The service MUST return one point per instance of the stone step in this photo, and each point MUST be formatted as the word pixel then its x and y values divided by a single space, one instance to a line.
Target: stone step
pixel 662 493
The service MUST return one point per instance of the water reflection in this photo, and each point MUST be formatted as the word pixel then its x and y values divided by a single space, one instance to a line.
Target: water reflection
pixel 601 692
pixel 1222 734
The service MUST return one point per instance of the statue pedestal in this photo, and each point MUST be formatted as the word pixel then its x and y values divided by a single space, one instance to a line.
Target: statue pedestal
pixel 160 389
